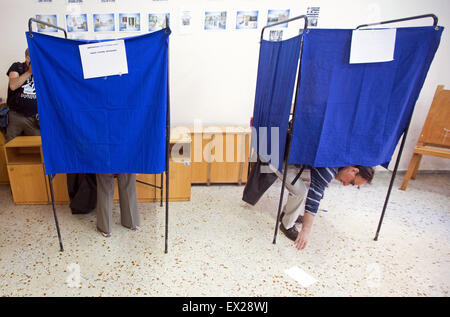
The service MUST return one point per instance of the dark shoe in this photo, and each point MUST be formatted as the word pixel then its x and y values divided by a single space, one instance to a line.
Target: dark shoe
pixel 299 219
pixel 291 233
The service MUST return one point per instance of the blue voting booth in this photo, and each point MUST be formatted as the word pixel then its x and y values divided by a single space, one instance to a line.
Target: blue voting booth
pixel 113 124
pixel 108 124
pixel 344 114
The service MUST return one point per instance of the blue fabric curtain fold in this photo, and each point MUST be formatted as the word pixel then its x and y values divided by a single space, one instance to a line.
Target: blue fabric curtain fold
pixel 114 124
pixel 278 62
pixel 356 113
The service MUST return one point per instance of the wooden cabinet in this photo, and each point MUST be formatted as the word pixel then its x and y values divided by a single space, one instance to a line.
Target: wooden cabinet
pixel 219 154
pixel 30 185
pixel 26 170
pixel 4 179
pixel 60 192
pixel 179 173
pixel 144 192
pixel 179 182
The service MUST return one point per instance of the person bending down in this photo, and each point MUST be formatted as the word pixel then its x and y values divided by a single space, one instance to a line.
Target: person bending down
pixel 355 175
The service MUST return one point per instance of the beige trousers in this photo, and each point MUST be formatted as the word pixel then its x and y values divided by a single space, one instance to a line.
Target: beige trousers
pixel 129 215
pixel 296 198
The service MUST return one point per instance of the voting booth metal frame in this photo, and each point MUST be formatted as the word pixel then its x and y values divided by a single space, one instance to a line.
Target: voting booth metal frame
pixel 161 188
pixel 291 126
pixel 405 132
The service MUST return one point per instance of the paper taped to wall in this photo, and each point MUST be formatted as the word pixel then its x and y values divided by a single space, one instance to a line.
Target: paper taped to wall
pixel 103 59
pixel 372 46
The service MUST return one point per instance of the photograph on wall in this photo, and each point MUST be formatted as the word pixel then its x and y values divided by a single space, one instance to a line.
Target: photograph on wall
pixel 157 21
pixel 313 15
pixel 104 22
pixel 275 16
pixel 185 22
pixel 129 22
pixel 76 22
pixel 247 20
pixel 216 20
pixel 276 35
pixel 48 18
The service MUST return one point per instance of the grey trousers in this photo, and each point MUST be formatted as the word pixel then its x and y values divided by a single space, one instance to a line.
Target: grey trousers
pixel 18 123
pixel 129 215
pixel 296 198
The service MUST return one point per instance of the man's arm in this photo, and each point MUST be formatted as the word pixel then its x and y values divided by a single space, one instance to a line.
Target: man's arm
pixel 303 235
pixel 16 81
pixel 320 178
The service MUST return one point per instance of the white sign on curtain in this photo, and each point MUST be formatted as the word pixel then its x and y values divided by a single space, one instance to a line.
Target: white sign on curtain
pixel 372 46
pixel 103 59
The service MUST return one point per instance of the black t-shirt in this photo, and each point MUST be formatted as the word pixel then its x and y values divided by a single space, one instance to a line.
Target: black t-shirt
pixel 23 99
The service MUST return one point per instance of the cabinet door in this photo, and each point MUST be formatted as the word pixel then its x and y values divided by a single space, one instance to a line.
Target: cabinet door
pixel 145 193
pixel 230 164
pixel 179 182
pixel 199 167
pixel 28 184
pixel 3 169
pixel 60 192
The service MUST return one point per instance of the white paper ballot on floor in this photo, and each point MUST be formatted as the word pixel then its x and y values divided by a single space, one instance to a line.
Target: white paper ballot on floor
pixel 103 59
pixel 372 46
pixel 303 278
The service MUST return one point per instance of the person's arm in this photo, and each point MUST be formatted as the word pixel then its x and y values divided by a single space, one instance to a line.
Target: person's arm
pixel 320 178
pixel 303 235
pixel 16 81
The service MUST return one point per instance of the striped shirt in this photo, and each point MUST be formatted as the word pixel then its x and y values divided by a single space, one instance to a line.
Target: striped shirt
pixel 320 178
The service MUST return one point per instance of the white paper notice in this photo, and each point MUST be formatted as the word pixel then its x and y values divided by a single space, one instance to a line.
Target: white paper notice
pixel 103 59
pixel 372 46
pixel 303 278
pixel 185 21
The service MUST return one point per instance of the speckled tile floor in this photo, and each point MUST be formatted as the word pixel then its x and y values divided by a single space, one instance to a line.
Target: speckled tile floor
pixel 219 246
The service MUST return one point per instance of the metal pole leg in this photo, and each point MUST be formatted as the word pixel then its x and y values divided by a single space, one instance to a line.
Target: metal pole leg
pixel 167 211
pixel 280 203
pixel 391 183
pixel 162 186
pixel 50 181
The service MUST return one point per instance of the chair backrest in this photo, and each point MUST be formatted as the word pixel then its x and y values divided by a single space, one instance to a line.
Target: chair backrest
pixel 436 129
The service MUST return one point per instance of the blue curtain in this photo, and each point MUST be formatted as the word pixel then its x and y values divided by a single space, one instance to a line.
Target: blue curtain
pixel 114 124
pixel 355 113
pixel 277 68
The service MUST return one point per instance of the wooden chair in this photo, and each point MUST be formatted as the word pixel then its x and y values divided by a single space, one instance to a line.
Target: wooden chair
pixel 434 139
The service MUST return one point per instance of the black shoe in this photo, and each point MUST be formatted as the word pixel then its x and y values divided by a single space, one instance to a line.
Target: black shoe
pixel 299 219
pixel 291 233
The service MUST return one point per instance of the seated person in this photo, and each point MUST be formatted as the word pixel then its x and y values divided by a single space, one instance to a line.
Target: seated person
pixel 21 101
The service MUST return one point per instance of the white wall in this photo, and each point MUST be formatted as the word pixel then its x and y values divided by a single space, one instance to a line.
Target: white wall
pixel 213 73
